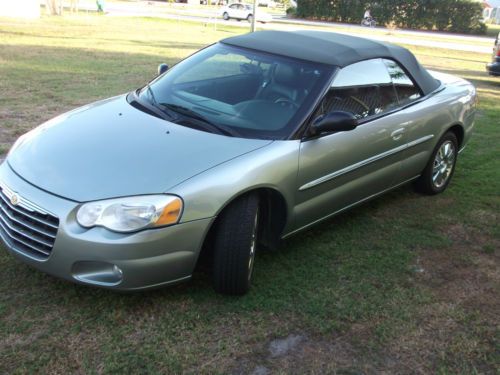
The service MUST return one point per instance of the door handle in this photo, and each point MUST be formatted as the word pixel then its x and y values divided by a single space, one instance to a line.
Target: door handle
pixel 397 134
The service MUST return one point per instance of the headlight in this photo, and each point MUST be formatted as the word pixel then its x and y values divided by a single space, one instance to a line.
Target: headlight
pixel 132 213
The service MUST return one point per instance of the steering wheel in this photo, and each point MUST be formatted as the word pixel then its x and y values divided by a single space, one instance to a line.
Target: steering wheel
pixel 286 102
pixel 360 102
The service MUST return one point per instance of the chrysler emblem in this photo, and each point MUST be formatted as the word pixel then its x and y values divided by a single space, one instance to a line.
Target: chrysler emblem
pixel 14 199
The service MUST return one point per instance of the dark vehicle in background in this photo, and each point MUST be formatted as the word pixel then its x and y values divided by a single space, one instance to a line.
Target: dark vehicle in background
pixel 493 68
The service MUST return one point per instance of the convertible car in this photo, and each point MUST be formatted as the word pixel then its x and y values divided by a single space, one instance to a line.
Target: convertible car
pixel 244 143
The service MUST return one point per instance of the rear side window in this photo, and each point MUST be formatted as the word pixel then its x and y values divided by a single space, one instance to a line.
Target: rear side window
pixel 364 89
pixel 406 91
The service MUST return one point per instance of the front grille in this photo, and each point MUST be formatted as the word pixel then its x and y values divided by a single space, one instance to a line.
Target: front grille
pixel 25 227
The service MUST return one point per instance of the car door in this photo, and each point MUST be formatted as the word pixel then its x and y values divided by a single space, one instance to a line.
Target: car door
pixel 240 11
pixel 340 169
pixel 233 10
pixel 418 118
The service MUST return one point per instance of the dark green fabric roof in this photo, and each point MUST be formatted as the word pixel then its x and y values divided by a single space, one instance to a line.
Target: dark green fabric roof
pixel 333 49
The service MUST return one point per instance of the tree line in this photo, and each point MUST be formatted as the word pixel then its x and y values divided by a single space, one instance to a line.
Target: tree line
pixel 463 16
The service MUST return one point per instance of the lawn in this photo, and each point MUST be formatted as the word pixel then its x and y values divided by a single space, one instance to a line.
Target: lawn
pixel 402 284
pixel 493 30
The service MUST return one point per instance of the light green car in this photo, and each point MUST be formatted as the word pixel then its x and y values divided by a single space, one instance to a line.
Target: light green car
pixel 246 142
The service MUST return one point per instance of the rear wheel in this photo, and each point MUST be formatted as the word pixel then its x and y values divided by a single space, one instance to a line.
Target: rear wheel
pixel 225 16
pixel 235 246
pixel 439 170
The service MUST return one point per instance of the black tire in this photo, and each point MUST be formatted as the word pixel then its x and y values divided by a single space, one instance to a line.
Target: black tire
pixel 250 18
pixel 235 245
pixel 225 16
pixel 428 182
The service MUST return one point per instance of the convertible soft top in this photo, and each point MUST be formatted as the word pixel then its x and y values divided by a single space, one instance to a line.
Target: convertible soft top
pixel 333 49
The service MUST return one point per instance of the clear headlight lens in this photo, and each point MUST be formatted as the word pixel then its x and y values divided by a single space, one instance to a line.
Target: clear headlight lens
pixel 132 213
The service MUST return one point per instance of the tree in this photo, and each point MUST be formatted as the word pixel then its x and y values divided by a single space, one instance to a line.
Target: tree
pixel 54 7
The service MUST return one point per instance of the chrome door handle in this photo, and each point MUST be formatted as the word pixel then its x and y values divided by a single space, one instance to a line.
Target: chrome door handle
pixel 397 134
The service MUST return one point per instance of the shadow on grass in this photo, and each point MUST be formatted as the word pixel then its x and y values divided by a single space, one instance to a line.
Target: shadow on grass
pixel 343 270
pixel 311 272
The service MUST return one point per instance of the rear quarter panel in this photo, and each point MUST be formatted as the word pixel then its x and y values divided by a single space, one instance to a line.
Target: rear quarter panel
pixel 454 103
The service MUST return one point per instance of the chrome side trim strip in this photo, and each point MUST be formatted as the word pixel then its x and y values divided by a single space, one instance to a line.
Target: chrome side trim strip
pixel 365 162
pixel 420 140
pixel 349 206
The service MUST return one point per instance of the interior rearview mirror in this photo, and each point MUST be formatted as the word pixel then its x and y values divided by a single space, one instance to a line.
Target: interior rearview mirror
pixel 162 68
pixel 336 121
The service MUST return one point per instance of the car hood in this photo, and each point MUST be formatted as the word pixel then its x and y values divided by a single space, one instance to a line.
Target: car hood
pixel 111 149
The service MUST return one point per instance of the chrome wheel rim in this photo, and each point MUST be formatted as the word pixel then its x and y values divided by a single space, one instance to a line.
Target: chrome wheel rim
pixel 253 246
pixel 443 164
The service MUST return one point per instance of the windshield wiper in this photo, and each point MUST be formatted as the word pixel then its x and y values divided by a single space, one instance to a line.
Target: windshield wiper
pixel 206 123
pixel 152 95
pixel 148 107
pixel 154 103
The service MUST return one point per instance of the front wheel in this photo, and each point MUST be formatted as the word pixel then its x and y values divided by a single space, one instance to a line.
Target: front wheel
pixel 250 18
pixel 235 245
pixel 225 16
pixel 439 170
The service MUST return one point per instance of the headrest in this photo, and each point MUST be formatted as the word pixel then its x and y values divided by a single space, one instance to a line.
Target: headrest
pixel 284 74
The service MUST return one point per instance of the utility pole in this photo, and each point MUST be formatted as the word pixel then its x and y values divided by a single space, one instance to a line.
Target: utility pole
pixel 254 14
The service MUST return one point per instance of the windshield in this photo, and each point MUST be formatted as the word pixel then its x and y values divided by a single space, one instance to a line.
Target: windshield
pixel 241 92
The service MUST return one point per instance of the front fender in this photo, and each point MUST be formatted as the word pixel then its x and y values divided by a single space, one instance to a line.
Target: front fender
pixel 274 167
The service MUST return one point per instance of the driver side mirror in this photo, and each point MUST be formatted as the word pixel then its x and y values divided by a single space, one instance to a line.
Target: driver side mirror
pixel 336 121
pixel 162 68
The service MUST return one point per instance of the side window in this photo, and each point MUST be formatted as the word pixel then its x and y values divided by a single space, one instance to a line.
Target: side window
pixel 364 89
pixel 405 88
pixel 234 6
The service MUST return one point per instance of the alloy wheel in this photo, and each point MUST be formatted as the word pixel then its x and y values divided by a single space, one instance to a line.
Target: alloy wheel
pixel 444 162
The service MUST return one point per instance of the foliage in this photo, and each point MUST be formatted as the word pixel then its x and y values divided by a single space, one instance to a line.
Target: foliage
pixel 291 12
pixel 447 15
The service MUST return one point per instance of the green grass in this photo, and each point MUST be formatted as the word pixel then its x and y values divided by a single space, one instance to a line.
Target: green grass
pixel 404 283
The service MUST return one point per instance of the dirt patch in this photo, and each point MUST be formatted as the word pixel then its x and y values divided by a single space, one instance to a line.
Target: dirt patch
pixel 281 347
pixel 456 331
pixel 298 354
pixel 460 328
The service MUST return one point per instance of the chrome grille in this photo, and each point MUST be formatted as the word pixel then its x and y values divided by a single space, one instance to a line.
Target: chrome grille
pixel 25 227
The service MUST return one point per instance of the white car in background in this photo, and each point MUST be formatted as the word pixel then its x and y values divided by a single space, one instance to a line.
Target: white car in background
pixel 240 11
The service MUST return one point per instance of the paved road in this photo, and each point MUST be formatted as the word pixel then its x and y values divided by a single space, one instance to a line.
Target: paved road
pixel 467 43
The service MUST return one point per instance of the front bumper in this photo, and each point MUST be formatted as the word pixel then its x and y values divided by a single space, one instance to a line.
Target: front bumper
pixel 99 257
pixel 493 68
